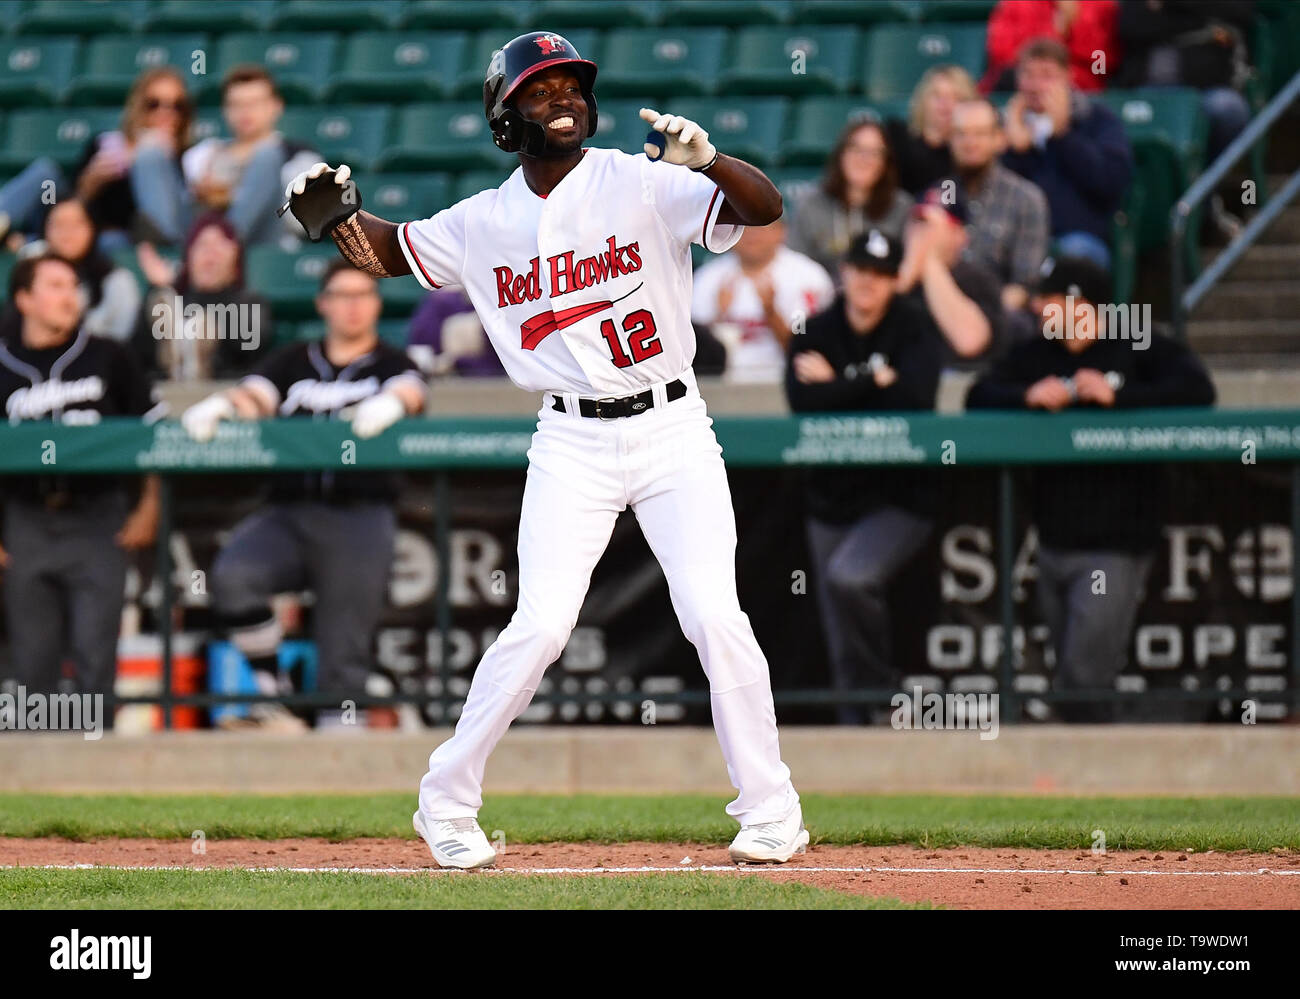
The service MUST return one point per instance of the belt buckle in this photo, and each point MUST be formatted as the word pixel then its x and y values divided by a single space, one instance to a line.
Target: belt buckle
pixel 599 414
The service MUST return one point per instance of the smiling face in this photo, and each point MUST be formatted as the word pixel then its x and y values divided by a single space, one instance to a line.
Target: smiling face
pixel 554 98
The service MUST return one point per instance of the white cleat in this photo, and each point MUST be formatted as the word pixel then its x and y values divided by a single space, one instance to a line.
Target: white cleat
pixel 456 843
pixel 771 842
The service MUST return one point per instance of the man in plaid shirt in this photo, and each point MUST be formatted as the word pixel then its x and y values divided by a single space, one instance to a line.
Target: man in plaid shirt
pixel 1008 221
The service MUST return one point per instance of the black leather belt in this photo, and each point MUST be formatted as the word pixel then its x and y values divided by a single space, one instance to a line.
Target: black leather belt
pixel 629 405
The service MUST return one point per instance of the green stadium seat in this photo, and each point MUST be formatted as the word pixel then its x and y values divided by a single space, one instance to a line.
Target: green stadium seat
pixel 112 64
pixel 640 61
pixel 794 183
pixel 897 55
pixel 768 61
pixel 337 15
pixel 818 121
pixel 398 65
pixel 453 136
pixel 619 126
pixel 1124 243
pixel 400 197
pixel 957 10
pixel 402 296
pixel 732 12
pixel 561 14
pixel 209 15
pixel 858 11
pixel 1167 127
pixel 503 16
pixel 301 63
pixel 207 123
pixel 289 280
pixel 469 82
pixel 748 127
pixel 61 134
pixel 351 134
pixel 472 182
pixel 86 17
pixel 35 72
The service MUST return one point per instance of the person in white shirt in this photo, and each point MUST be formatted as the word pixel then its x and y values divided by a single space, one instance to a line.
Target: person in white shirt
pixel 754 297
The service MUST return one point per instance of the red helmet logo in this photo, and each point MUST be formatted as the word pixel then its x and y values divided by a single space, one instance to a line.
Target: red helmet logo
pixel 550 43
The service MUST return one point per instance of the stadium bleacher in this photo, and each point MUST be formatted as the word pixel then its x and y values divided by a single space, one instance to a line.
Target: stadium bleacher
pixel 393 87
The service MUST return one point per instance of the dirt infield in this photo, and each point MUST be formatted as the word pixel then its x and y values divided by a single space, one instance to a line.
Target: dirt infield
pixel 963 878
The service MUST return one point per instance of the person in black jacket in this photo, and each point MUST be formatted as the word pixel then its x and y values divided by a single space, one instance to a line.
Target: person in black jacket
pixel 871 350
pixel 1092 519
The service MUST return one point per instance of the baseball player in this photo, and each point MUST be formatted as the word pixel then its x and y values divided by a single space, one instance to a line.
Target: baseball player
pixel 579 267
pixel 331 530
pixel 66 538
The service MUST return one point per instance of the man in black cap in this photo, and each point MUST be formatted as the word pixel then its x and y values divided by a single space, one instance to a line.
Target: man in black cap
pixel 962 295
pixel 1098 525
pixel 871 350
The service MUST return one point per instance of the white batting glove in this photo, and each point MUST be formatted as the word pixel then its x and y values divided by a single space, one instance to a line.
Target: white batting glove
pixel 375 415
pixel 686 143
pixel 299 183
pixel 200 420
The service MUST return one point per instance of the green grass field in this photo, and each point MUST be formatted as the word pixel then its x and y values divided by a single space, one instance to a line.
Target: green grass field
pixel 1223 824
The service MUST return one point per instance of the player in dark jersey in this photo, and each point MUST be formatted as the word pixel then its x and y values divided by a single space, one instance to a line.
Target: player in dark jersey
pixel 332 531
pixel 66 538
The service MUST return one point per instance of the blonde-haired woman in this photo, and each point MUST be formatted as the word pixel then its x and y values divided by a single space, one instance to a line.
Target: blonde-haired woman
pixel 921 143
pixel 158 106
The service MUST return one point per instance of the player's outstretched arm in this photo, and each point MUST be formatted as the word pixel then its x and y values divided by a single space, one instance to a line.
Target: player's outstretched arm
pixel 326 201
pixel 751 199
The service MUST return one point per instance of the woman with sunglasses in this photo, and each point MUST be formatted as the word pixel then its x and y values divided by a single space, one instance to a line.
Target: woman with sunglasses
pixel 159 109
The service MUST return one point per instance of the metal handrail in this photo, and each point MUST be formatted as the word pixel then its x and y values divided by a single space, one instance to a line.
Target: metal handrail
pixel 1183 300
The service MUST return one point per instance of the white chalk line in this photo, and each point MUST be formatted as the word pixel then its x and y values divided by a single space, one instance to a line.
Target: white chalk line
pixel 684 868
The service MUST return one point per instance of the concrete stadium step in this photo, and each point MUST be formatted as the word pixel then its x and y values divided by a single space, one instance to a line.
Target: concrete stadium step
pixel 1246 300
pixel 1245 338
pixel 1285 228
pixel 1264 262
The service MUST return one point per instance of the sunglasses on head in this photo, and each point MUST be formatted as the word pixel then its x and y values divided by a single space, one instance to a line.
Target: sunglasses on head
pixel 155 104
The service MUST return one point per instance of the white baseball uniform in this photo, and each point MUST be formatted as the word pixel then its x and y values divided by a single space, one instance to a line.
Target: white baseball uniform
pixel 586 294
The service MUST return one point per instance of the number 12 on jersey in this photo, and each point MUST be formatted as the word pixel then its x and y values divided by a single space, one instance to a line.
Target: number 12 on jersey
pixel 641 340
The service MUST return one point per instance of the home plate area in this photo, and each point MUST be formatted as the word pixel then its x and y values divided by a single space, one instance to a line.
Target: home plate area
pixel 962 877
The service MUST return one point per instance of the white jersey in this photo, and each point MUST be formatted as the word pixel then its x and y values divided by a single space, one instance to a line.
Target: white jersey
pixel 587 290
pixel 803 288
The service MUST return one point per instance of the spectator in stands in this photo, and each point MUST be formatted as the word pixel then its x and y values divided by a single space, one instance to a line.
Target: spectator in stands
pixel 158 110
pixel 66 538
pixel 1195 43
pixel 229 328
pixel 961 295
pixel 752 298
pixel 1092 519
pixel 871 350
pixel 1199 44
pixel 110 295
pixel 1007 215
pixel 446 336
pixel 921 143
pixel 858 191
pixel 243 176
pixel 1084 30
pixel 1074 149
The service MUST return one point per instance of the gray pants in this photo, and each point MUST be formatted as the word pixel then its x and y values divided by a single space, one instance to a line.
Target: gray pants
pixel 1090 631
pixel 343 553
pixel 854 564
pixel 64 589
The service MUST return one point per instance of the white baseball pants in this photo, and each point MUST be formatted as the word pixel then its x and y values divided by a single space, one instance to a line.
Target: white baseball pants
pixel 667 465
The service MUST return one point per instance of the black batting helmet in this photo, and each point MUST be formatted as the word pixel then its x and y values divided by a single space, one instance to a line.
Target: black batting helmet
pixel 513 63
